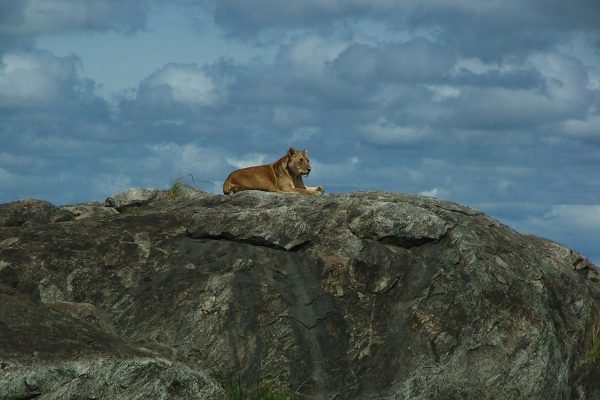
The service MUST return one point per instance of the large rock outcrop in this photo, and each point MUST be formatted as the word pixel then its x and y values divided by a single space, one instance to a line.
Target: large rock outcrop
pixel 348 296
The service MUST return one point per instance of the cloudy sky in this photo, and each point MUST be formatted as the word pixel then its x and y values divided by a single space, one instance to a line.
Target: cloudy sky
pixel 494 104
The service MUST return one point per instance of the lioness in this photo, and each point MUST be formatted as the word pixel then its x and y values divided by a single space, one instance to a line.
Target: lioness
pixel 284 175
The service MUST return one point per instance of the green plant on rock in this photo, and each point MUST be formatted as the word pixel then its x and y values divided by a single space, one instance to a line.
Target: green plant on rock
pixel 176 189
pixel 237 391
pixel 130 209
pixel 179 186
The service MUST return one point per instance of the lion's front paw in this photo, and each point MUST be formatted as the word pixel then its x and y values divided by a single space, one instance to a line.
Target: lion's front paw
pixel 320 190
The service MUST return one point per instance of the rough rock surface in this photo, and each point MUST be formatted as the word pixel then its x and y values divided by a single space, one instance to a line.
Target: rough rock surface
pixel 131 198
pixel 348 296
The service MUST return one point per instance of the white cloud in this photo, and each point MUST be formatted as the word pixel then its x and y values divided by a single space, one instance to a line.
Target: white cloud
pixel 247 160
pixel 575 215
pixel 27 17
pixel 443 92
pixel 188 83
pixel 479 67
pixel 37 78
pixel 384 132
pixel 565 78
pixel 474 65
pixel 589 127
pixel 105 185
pixel 311 53
pixel 435 192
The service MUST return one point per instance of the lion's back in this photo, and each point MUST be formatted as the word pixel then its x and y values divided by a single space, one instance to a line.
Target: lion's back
pixel 258 178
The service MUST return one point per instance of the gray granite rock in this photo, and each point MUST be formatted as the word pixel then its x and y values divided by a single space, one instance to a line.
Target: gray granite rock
pixel 367 295
pixel 131 198
pixel 31 212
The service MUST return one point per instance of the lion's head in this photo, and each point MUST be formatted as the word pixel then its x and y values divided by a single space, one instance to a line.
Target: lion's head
pixel 298 162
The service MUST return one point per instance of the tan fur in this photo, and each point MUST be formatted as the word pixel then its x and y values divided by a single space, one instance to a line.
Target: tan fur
pixel 284 175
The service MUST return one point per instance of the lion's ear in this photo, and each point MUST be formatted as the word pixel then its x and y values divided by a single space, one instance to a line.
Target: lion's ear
pixel 291 151
pixel 305 153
